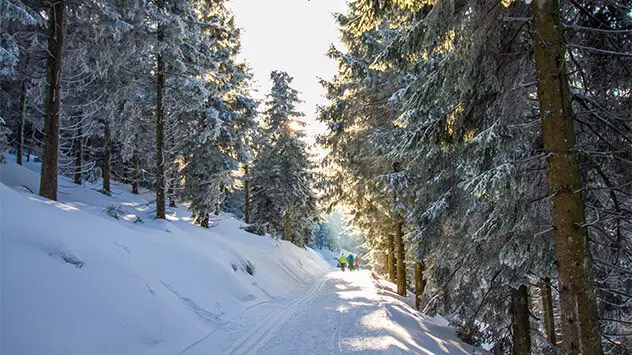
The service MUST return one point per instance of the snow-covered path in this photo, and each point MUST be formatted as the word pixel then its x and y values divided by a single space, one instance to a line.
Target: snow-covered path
pixel 345 313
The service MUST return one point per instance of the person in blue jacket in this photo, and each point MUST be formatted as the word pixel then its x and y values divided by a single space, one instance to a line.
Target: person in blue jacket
pixel 350 261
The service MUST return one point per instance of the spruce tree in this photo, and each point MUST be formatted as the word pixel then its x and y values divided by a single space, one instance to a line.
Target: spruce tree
pixel 280 176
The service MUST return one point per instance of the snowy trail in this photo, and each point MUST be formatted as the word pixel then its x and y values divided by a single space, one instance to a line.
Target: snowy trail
pixel 345 313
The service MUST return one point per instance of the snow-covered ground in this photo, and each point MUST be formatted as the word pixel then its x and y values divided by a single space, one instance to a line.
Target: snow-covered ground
pixel 75 280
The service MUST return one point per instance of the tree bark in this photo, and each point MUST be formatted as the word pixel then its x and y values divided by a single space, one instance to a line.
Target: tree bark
pixel 288 226
pixel 172 200
pixel 577 298
pixel 420 283
pixel 547 310
pixel 391 258
pixel 48 179
pixel 218 203
pixel 521 329
pixel 106 159
pixel 401 265
pixel 135 166
pixel 203 220
pixel 78 153
pixel 246 196
pixel 21 122
pixel 160 132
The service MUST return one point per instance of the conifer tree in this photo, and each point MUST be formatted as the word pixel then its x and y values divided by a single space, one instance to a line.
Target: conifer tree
pixel 280 176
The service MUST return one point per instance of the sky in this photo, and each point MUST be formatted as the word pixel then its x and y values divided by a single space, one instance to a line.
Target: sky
pixel 290 35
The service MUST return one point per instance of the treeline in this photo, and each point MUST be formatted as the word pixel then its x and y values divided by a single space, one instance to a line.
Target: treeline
pixel 485 149
pixel 149 93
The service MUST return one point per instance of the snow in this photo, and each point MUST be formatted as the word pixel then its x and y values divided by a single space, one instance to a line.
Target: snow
pixel 77 281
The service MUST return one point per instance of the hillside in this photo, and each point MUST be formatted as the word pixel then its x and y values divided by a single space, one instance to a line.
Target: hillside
pixel 75 280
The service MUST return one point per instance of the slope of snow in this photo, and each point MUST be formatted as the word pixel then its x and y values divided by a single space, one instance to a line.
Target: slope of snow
pixel 75 280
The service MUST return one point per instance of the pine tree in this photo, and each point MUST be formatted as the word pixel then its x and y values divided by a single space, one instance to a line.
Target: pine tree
pixel 280 175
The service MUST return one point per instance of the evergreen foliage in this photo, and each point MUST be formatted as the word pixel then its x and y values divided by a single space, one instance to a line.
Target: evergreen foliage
pixel 447 91
pixel 281 176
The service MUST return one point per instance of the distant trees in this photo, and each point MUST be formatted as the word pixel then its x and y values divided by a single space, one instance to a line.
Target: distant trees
pixel 450 91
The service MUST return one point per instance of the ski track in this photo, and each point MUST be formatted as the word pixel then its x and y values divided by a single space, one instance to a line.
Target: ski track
pixel 343 313
pixel 260 333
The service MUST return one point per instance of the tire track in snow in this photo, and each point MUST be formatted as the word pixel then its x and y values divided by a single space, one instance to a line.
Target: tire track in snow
pixel 258 335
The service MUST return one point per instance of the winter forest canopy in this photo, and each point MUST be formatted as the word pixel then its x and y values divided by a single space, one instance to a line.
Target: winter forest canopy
pixel 482 149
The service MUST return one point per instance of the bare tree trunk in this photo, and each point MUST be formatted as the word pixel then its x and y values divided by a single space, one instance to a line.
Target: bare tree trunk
pixel 246 196
pixel 106 159
pixel 420 283
pixel 48 179
pixel 391 258
pixel 401 265
pixel 288 226
pixel 21 122
pixel 78 153
pixel 160 132
pixel 521 329
pixel 547 310
pixel 577 298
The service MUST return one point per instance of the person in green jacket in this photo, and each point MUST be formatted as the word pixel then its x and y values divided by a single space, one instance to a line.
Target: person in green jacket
pixel 342 261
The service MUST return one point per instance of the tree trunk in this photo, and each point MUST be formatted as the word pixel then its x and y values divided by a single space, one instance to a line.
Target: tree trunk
pixel 391 258
pixel 78 153
pixel 386 263
pixel 160 133
pixel 577 298
pixel 420 283
pixel 203 220
pixel 136 167
pixel 106 159
pixel 246 196
pixel 401 265
pixel 521 329
pixel 172 200
pixel 288 226
pixel 218 203
pixel 547 310
pixel 48 179
pixel 21 122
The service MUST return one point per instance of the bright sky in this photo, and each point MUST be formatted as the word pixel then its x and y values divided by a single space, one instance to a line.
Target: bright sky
pixel 290 35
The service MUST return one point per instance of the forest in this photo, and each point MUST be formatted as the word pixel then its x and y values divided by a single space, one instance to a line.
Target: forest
pixel 482 149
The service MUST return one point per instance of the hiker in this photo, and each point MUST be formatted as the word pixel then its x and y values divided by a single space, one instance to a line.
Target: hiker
pixel 342 261
pixel 357 263
pixel 350 261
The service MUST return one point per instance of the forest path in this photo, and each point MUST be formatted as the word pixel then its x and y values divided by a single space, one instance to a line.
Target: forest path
pixel 347 313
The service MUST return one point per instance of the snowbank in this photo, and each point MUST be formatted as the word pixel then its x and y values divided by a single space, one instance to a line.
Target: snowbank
pixel 78 281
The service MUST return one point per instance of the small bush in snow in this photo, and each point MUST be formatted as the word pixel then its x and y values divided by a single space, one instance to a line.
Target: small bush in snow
pixel 254 228
pixel 234 266
pixel 250 267
pixel 114 211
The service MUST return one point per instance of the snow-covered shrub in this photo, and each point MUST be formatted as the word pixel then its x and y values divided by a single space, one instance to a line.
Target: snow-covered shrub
pixel 255 228
pixel 250 267
pixel 115 211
